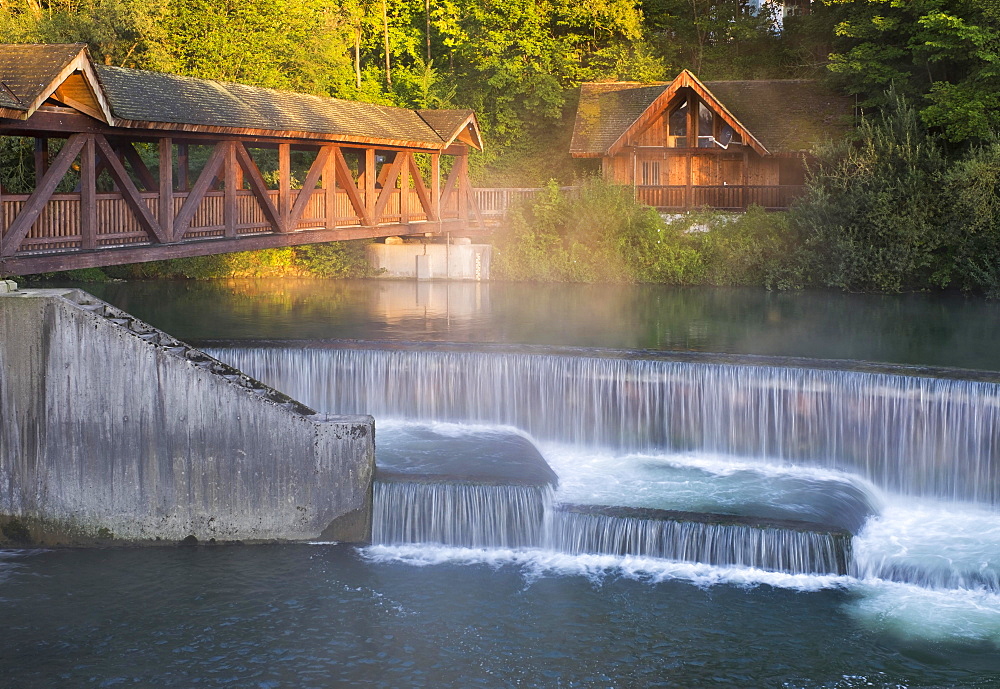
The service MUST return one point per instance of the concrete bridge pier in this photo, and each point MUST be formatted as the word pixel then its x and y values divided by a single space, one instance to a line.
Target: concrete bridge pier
pixel 112 430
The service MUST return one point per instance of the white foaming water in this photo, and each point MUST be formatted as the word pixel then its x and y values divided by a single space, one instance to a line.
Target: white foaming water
pixel 904 610
pixel 536 563
pixel 918 613
pixel 936 545
pixel 706 482
pixel 447 428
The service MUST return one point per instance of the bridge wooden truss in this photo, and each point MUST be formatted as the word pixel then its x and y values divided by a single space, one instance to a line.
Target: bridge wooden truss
pixel 116 182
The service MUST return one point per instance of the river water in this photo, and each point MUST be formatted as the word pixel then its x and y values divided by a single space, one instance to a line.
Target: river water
pixel 908 462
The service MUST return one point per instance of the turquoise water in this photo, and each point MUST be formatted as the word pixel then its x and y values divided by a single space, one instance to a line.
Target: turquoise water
pixel 429 615
pixel 933 330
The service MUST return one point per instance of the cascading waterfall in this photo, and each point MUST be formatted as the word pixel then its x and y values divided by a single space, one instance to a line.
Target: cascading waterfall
pixel 459 514
pixel 770 547
pixel 504 516
pixel 912 435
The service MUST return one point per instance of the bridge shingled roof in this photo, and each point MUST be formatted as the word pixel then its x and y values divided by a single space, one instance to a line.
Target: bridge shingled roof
pixel 786 115
pixel 140 98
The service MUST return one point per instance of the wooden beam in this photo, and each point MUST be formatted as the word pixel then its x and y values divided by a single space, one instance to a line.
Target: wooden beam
pixel 404 188
pixel 345 180
pixel 229 209
pixel 41 158
pixel 65 121
pixel 259 187
pixel 476 211
pixel 183 167
pixel 330 190
pixel 369 180
pixel 138 165
pixel 450 184
pixel 284 185
pixel 388 178
pixel 198 191
pixel 435 186
pixel 88 193
pixel 461 163
pixel 426 201
pixel 73 259
pixel 308 186
pixel 61 96
pixel 130 193
pixel 33 207
pixel 166 184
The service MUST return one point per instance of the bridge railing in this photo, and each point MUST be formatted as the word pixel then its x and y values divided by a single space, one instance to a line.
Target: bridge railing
pixel 58 225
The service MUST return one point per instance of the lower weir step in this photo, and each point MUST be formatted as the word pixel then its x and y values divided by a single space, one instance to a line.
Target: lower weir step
pixel 410 509
pixel 717 539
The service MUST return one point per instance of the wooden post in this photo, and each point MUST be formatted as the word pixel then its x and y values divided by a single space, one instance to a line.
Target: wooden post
pixel 692 121
pixel 183 168
pixel 330 190
pixel 462 160
pixel 229 209
pixel 285 184
pixel 436 185
pixel 41 158
pixel 687 187
pixel 746 180
pixel 166 185
pixel 88 194
pixel 404 190
pixel 371 197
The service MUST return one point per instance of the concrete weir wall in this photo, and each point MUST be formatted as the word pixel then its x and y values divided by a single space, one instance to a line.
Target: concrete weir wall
pixel 459 260
pixel 111 429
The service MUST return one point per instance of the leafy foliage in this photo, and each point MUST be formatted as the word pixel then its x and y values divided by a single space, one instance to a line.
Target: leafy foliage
pixel 943 54
pixel 599 233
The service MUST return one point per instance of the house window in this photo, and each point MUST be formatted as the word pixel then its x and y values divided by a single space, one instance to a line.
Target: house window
pixel 651 172
pixel 706 127
pixel 677 128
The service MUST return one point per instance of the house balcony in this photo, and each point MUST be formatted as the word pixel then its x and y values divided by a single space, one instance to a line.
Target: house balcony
pixel 732 197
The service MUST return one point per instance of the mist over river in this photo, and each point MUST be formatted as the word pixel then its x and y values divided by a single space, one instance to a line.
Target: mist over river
pixel 905 461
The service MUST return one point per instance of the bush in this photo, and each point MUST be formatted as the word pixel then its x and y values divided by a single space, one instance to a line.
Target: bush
pixel 598 232
pixel 871 219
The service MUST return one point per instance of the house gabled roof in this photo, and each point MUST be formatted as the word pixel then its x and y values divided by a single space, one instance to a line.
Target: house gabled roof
pixel 788 115
pixel 776 116
pixel 132 98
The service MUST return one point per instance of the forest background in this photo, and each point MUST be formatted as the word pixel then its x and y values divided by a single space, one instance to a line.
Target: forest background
pixel 910 201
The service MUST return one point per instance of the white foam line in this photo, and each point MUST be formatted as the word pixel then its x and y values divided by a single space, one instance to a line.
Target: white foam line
pixel 448 428
pixel 539 563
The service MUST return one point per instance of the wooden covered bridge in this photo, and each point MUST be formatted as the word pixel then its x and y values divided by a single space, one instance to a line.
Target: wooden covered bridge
pixel 130 166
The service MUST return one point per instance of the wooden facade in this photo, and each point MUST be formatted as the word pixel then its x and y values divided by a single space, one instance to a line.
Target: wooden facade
pixel 115 182
pixel 681 147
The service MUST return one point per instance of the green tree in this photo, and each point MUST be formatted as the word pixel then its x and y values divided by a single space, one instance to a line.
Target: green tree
pixel 945 54
pixel 872 216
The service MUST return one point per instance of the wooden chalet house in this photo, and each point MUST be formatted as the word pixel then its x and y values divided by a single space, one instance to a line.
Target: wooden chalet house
pixel 132 166
pixel 720 144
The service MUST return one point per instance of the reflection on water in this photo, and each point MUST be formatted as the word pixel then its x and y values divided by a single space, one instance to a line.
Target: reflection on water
pixel 938 330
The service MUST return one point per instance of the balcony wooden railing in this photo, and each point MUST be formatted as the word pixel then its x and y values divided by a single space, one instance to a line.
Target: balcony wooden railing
pixel 494 202
pixel 725 197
